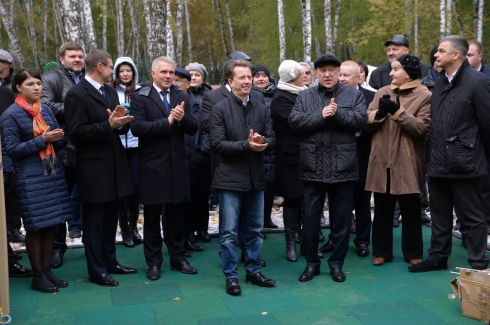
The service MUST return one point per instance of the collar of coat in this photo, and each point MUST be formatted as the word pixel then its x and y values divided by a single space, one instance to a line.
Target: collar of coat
pixel 324 90
pixel 412 86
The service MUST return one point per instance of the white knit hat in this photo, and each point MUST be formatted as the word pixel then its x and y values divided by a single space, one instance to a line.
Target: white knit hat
pixel 289 70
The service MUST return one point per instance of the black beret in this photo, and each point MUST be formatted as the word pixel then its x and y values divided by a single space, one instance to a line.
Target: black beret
pixel 327 59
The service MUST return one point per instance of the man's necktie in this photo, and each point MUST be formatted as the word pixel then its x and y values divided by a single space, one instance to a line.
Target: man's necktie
pixel 165 101
pixel 102 91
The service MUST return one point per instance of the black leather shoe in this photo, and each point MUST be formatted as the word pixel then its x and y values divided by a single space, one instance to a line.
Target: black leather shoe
pixel 428 265
pixel 127 239
pixel 54 280
pixel 184 267
pixel 18 271
pixel 188 246
pixel 191 237
pixel 136 235
pixel 232 287
pixel 41 283
pixel 153 273
pixel 56 260
pixel 321 238
pixel 309 273
pixel 205 237
pixel 187 254
pixel 362 250
pixel 260 280
pixel 119 269
pixel 337 275
pixel 104 280
pixel 327 248
pixel 14 235
pixel 17 256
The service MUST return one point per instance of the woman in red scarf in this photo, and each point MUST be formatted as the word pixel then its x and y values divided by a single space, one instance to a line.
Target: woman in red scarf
pixel 31 137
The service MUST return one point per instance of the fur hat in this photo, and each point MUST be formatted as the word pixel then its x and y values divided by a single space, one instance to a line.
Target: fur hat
pixel 289 70
pixel 258 68
pixel 196 66
pixel 411 65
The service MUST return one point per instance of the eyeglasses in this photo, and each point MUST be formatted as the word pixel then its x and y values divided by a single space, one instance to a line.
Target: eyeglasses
pixel 110 66
pixel 307 72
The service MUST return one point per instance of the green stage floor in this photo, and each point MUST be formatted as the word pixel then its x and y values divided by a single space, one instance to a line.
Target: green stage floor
pixel 387 294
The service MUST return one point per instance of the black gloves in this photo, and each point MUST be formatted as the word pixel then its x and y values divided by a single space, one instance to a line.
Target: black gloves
pixel 382 108
pixel 389 105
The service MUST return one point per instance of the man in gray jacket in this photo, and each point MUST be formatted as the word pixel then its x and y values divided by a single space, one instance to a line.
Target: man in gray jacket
pixel 56 84
pixel 327 118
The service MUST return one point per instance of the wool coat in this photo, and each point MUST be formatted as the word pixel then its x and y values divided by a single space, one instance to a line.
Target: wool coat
pixel 43 199
pixel 399 140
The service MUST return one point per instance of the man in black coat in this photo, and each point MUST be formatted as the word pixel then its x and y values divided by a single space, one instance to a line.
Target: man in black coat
pixel 162 115
pixel 349 76
pixel 395 48
pixel 458 147
pixel 94 120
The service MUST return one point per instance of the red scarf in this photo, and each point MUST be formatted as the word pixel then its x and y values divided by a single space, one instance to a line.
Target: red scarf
pixel 47 155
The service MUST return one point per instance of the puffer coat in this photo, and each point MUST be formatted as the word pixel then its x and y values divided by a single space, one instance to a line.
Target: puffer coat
pixel 43 199
pixel 328 152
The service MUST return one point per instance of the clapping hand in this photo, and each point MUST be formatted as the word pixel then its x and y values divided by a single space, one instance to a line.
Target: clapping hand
pixel 256 141
pixel 382 107
pixel 330 110
pixel 178 112
pixel 52 136
pixel 118 118
pixel 391 106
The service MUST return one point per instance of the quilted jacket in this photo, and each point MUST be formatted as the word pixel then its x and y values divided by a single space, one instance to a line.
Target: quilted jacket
pixel 327 148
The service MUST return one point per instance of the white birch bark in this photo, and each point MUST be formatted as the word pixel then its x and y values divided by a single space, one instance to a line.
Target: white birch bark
pixel 188 28
pixel 306 22
pixel 72 24
pixel 179 18
pixel 89 30
pixel 327 14
pixel 7 14
pixel 448 17
pixel 136 31
pixel 119 28
pixel 336 22
pixel 282 31
pixel 222 28
pixel 442 12
pixel 159 22
pixel 479 29
pixel 230 25
pixel 104 25
pixel 150 52
pixel 169 33
pixel 416 27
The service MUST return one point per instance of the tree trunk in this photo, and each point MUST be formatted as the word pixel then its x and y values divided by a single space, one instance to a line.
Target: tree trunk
pixel 150 51
pixel 45 31
pixel 180 31
pixel 408 18
pixel 336 22
pixel 104 25
pixel 479 29
pixel 442 12
pixel 136 32
pixel 159 23
pixel 448 17
pixel 119 28
pixel 222 28
pixel 188 28
pixel 7 14
pixel 169 33
pixel 89 30
pixel 306 14
pixel 230 25
pixel 327 14
pixel 282 31
pixel 416 27
pixel 31 31
pixel 71 21
pixel 459 23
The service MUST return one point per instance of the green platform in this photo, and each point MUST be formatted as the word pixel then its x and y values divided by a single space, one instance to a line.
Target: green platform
pixel 387 294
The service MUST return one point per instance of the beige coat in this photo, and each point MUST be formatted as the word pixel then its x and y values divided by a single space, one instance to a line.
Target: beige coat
pixel 399 141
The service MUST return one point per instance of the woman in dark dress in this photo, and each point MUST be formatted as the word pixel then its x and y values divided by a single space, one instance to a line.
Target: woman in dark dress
pixel 32 138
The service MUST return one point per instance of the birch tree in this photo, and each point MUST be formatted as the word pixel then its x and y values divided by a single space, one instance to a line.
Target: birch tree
pixel 7 14
pixel 479 28
pixel 159 22
pixel 306 14
pixel 71 21
pixel 179 17
pixel 416 27
pixel 327 14
pixel 336 22
pixel 442 13
pixel 104 25
pixel 169 33
pixel 89 30
pixel 31 30
pixel 188 29
pixel 408 18
pixel 230 25
pixel 150 36
pixel 120 29
pixel 448 17
pixel 135 30
pixel 222 28
pixel 282 31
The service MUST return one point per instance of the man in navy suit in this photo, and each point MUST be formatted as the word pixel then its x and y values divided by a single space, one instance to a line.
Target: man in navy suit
pixel 94 120
pixel 162 115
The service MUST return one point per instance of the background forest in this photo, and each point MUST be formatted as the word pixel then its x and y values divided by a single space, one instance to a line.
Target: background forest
pixel 208 30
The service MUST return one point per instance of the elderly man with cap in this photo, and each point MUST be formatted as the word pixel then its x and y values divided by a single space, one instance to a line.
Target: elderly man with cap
pixel 395 47
pixel 6 72
pixel 327 118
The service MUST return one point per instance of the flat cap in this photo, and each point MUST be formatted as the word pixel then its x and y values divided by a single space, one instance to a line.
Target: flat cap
pixel 327 59
pixel 5 56
pixel 183 73
pixel 399 40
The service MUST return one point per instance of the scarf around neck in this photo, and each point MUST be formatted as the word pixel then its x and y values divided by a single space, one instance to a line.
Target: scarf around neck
pixel 48 155
pixel 290 88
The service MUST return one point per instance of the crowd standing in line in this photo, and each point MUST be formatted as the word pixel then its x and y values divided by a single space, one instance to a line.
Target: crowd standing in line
pixel 318 133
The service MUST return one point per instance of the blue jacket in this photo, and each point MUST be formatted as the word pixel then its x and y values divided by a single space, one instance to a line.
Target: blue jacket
pixel 43 199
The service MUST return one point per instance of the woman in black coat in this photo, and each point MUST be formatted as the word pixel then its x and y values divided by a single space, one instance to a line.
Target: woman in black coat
pixel 287 183
pixel 32 138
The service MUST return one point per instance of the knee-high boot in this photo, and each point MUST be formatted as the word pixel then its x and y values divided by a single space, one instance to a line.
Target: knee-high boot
pixel 290 225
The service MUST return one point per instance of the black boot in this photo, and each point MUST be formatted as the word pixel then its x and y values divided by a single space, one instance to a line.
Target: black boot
pixel 133 226
pixel 54 280
pixel 41 283
pixel 298 222
pixel 127 238
pixel 289 217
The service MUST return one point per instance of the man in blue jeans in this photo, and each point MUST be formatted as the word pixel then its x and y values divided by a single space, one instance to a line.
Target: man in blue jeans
pixel 240 130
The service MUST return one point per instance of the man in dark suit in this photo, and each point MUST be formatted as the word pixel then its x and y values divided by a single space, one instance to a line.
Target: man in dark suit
pixel 94 120
pixel 395 47
pixel 475 57
pixel 162 115
pixel 349 76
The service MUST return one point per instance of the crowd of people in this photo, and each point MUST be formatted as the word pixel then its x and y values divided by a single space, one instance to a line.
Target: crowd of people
pixel 86 144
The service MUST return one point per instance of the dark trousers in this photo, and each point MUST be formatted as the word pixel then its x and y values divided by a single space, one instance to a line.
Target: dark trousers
pixel 340 198
pixel 269 194
pixel 173 224
pixel 485 193
pixel 60 230
pixel 99 224
pixel 384 209
pixel 362 207
pixel 11 203
pixel 197 210
pixel 443 192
